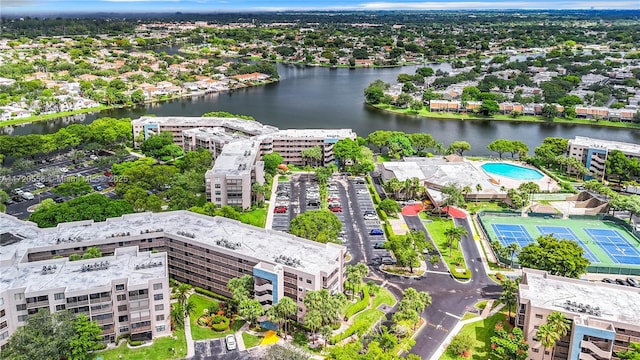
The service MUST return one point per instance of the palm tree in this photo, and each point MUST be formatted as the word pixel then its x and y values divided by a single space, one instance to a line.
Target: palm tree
pixel 559 324
pixel 274 315
pixel 326 332
pixel 393 186
pixel 313 320
pixel 183 293
pixel 508 295
pixel 478 189
pixel 287 307
pixel 177 316
pixel 547 337
pixel 465 191
pixel 512 250
pixel 454 234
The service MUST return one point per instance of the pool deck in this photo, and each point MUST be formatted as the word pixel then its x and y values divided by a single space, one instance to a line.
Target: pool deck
pixel 545 183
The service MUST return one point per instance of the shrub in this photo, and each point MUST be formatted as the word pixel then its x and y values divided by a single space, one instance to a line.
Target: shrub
pixel 299 338
pixel 100 346
pixel 460 344
pixel 460 276
pixel 219 323
pixel 135 342
pixel 210 293
pixel 360 305
pixel 359 327
pixel 122 336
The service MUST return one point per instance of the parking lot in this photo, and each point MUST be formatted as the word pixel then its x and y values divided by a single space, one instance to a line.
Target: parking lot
pixel 51 172
pixel 282 209
pixel 216 349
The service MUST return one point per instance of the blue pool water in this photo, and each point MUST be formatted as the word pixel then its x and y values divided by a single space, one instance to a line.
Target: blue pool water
pixel 512 171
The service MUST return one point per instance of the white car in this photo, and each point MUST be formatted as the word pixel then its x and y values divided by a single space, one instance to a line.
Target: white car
pixel 363 191
pixel 39 185
pixel 370 217
pixel 64 170
pixel 93 157
pixel 231 342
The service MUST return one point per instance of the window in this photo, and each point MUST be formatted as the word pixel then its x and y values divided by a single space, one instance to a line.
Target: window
pixel 22 318
pixel 122 297
pixel 1 301
pixel 58 296
pixel 120 287
pixel 157 286
pixel 217 186
pixel 123 318
pixel 218 199
pixel 61 307
pixel 308 281
pixel 18 297
pixel 535 350
pixel 160 328
pixel 159 317
pixel 2 313
pixel 3 325
pixel 157 297
pixel 122 307
pixel 159 307
pixel 538 316
pixel 4 335
pixel 21 307
pixel 124 329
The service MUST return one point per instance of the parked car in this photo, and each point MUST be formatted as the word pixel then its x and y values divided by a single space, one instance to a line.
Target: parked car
pixel 633 282
pixel 231 342
pixel 335 209
pixel 363 191
pixel 387 260
pixel 280 210
pixel 370 217
pixel 93 157
pixel 332 188
pixel 621 282
pixel 9 202
pixel 18 191
pixel 98 187
pixel 369 212
pixel 376 232
pixel 27 196
pixel 58 199
pixel 378 245
pixel 313 203
pixel 64 170
pixel 39 185
pixel 608 281
pixel 334 204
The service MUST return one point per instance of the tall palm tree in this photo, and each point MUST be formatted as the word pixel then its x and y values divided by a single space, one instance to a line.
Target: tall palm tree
pixel 478 189
pixel 274 315
pixel 313 320
pixel 559 324
pixel 183 293
pixel 465 191
pixel 508 294
pixel 454 235
pixel 547 337
pixel 286 307
pixel 512 249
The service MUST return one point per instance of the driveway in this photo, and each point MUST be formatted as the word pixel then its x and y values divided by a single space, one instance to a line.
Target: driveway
pixel 216 349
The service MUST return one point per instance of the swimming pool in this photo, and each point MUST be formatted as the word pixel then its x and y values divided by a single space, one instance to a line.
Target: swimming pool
pixel 512 171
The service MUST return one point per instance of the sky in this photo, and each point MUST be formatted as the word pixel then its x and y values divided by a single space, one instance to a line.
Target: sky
pixel 28 7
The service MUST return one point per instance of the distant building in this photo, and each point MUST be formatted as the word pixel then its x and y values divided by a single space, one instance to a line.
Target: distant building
pixel 593 153
pixel 604 318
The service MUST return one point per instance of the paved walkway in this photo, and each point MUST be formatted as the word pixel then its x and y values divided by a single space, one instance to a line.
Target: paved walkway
pixel 191 352
pixel 272 203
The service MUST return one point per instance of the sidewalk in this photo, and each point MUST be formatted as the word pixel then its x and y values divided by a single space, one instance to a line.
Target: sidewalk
pixel 272 202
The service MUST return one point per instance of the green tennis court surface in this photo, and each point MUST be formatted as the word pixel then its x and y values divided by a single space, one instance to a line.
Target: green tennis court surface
pixel 605 243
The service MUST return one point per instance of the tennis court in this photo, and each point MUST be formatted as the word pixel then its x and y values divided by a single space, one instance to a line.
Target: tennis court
pixel 604 242
pixel 615 245
pixel 560 232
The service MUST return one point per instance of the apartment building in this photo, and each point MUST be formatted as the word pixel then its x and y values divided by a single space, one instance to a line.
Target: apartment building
pixel 593 153
pixel 292 142
pixel 213 139
pixel 604 318
pixel 236 169
pixel 149 125
pixel 197 249
pixel 126 293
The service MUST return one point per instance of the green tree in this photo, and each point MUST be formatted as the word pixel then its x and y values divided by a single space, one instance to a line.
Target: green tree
pixel 137 97
pixel 501 146
pixel 489 107
pixel 461 344
pixel 92 253
pixel 454 195
pixel 374 92
pixel 240 288
pixel 86 338
pixel 421 142
pixel 559 324
pixel 95 207
pixel 509 346
pixel 327 305
pixel 312 156
pixel 317 225
pixel 346 150
pixel 287 308
pixel 633 353
pixel 459 147
pixel 389 206
pixel 313 320
pixel 617 166
pixel 399 146
pixel 558 257
pixel 549 111
pixel 154 144
pixel 271 162
pixel 508 294
pixel 454 235
pixel 250 310
pixel 326 332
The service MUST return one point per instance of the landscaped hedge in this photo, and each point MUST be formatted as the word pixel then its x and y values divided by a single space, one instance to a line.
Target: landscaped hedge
pixel 461 276
pixel 135 342
pixel 359 328
pixel 219 323
pixel 372 190
pixel 360 305
pixel 210 294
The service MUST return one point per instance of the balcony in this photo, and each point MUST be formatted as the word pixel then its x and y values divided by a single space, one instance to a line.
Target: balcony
pixel 38 304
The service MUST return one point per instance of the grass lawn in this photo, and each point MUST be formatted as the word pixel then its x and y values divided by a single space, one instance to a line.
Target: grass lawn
pixel 257 217
pixel 383 158
pixel 436 229
pixel 383 296
pixel 201 333
pixel 481 331
pixel 160 350
pixel 251 340
pixel 473 208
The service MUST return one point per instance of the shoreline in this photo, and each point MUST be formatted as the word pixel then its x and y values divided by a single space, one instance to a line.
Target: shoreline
pixel 426 114
pixel 39 118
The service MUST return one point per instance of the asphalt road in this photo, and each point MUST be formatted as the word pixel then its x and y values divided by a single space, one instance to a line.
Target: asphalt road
pixel 216 349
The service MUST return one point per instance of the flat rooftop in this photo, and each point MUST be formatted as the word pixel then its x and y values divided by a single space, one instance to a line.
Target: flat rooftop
pixel 215 134
pixel 316 133
pixel 440 172
pixel 257 243
pixel 246 126
pixel 62 273
pixel 617 303
pixel 237 158
pixel 628 148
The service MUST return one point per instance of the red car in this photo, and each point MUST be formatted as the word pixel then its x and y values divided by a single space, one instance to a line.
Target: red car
pixel 335 209
pixel 331 199
pixel 280 210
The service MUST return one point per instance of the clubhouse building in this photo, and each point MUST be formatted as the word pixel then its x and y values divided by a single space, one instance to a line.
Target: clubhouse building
pixel 127 290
